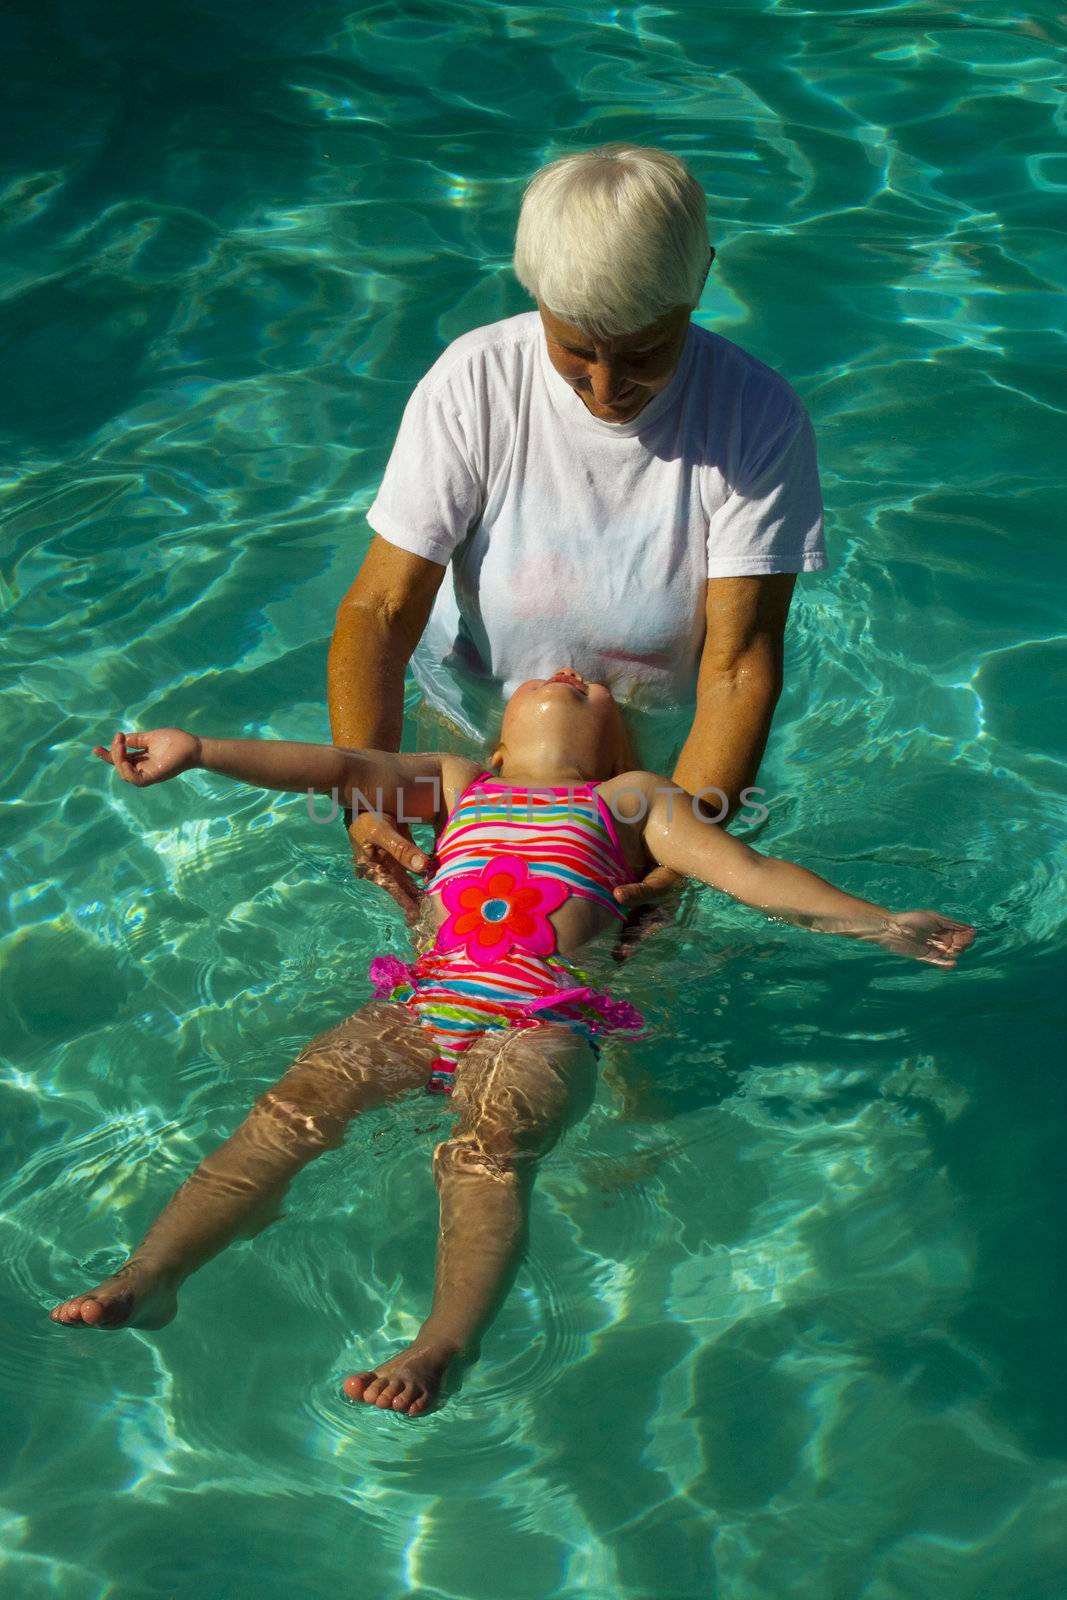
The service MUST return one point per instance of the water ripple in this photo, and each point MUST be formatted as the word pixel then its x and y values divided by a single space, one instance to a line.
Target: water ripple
pixel 787 1309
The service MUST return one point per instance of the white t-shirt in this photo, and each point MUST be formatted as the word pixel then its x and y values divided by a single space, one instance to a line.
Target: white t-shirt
pixel 577 542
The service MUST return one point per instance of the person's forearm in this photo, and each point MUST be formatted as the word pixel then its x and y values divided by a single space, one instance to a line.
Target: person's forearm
pixel 727 740
pixel 368 779
pixel 365 680
pixel 283 764
pixel 782 889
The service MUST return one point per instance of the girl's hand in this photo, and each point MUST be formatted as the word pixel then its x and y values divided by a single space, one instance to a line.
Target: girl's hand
pixel 146 758
pixel 925 936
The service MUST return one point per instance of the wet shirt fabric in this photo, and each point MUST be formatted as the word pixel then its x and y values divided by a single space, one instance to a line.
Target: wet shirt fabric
pixel 508 858
pixel 574 540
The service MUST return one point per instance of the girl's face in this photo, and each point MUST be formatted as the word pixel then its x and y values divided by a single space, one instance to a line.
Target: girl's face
pixel 568 717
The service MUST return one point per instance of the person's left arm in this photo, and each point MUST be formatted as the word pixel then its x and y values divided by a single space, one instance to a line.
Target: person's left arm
pixel 680 838
pixel 739 682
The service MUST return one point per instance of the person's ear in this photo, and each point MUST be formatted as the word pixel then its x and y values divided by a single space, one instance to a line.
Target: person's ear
pixel 496 760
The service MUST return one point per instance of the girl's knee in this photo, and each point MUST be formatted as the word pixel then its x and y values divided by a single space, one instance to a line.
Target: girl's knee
pixel 523 1097
pixel 466 1155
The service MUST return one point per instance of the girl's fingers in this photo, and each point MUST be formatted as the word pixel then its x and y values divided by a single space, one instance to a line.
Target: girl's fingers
pixel 121 760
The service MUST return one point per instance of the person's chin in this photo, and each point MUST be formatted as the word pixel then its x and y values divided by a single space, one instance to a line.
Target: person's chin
pixel 622 413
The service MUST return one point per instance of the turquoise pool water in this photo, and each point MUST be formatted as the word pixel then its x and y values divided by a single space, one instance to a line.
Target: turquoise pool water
pixel 792 1318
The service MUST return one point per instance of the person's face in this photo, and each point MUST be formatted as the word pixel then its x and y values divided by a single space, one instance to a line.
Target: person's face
pixel 616 378
pixel 564 717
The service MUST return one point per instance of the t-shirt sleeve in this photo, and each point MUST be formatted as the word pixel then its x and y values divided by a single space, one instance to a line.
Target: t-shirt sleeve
pixel 430 496
pixel 772 521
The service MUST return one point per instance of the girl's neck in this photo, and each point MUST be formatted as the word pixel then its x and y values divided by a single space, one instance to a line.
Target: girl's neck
pixel 534 775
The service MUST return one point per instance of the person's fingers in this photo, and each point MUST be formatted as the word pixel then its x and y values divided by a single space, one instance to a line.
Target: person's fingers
pixel 405 851
pixel 121 761
pixel 638 894
pixel 655 885
pixel 121 745
pixel 385 872
pixel 630 894
pixel 375 855
pixel 641 924
pixel 383 854
pixel 382 834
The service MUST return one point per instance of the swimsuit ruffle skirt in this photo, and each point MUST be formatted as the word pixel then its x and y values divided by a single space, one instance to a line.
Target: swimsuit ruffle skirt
pixel 506 859
pixel 586 1010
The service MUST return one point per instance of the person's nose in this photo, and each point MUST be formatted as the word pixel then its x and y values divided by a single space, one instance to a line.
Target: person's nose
pixel 608 380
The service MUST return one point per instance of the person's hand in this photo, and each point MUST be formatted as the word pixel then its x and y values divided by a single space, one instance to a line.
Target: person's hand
pixel 384 852
pixel 153 757
pixel 651 903
pixel 924 936
pixel 653 887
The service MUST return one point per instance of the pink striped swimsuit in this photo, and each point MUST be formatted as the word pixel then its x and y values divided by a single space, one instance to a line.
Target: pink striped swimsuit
pixel 506 859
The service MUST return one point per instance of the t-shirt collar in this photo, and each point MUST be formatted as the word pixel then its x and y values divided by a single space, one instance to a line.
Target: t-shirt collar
pixel 568 403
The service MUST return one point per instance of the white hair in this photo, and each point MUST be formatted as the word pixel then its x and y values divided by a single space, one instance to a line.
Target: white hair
pixel 612 239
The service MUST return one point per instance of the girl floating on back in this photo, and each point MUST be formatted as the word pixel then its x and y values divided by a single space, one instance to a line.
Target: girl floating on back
pixel 496 1013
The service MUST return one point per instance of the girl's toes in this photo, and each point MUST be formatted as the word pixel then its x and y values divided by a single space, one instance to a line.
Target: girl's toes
pixel 405 1397
pixel 388 1394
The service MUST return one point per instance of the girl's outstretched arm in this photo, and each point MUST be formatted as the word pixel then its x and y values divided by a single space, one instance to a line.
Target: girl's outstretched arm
pixel 686 842
pixel 406 785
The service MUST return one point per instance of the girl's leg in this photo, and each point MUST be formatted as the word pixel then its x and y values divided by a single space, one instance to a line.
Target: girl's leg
pixel 514 1099
pixel 373 1056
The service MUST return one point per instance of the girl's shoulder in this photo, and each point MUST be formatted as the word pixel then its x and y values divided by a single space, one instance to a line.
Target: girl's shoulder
pixel 457 774
pixel 629 794
pixel 628 797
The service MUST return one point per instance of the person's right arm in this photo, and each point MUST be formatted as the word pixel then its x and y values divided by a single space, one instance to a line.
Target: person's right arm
pixel 379 623
pixel 408 783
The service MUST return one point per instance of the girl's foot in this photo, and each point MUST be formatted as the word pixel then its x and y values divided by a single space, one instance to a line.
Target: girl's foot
pixel 410 1382
pixel 138 1296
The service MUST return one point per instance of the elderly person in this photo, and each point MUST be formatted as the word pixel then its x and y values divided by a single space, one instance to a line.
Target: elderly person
pixel 599 483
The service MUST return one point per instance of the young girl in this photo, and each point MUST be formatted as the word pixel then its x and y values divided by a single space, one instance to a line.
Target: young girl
pixel 525 871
